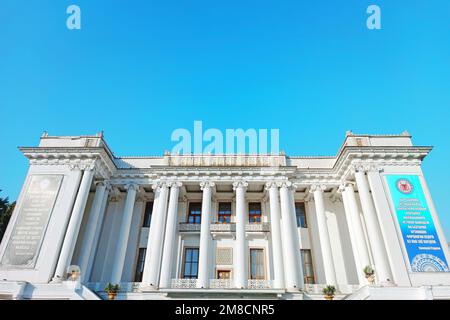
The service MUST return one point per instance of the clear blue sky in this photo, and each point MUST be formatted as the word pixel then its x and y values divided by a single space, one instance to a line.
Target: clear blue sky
pixel 140 69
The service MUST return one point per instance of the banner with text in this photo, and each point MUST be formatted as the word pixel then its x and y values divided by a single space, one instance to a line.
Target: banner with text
pixel 416 224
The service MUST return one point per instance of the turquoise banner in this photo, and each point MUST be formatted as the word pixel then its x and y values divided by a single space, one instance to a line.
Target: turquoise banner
pixel 416 224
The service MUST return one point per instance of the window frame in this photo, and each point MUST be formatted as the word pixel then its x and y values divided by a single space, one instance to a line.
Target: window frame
pixel 264 271
pixel 305 275
pixel 183 271
pixel 226 215
pixel 253 215
pixel 194 216
pixel 298 217
pixel 138 275
pixel 148 214
pixel 218 270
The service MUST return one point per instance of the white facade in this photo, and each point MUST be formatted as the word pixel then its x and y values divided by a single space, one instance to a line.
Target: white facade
pixel 97 222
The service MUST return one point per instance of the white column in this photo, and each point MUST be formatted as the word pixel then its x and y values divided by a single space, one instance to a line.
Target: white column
pixel 124 232
pixel 170 237
pixel 275 223
pixel 145 276
pixel 73 228
pixel 90 231
pixel 151 278
pixel 240 272
pixel 98 229
pixel 205 235
pixel 294 276
pixel 389 229
pixel 373 228
pixel 325 244
pixel 360 239
pixel 351 230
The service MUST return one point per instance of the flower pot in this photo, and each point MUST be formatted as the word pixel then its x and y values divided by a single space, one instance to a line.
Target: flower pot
pixel 112 295
pixel 329 297
pixel 370 278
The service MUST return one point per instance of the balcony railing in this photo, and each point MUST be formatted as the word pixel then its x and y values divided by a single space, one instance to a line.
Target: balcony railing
pixel 184 283
pixel 189 227
pixel 221 284
pixel 259 284
pixel 257 227
pixel 222 227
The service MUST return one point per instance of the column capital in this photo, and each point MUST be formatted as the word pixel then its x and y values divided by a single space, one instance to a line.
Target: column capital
pixel 102 183
pixel 176 184
pixel 240 184
pixel 114 195
pixel 317 187
pixel 207 184
pixel 159 184
pixel 344 184
pixel 287 184
pixel 132 186
pixel 271 184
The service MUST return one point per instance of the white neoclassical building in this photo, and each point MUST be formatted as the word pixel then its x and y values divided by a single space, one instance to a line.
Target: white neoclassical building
pixel 225 226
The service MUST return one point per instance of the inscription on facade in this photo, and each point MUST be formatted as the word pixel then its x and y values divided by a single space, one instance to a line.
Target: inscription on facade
pixel 29 228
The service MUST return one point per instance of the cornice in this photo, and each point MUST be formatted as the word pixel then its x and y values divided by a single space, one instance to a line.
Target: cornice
pixel 73 157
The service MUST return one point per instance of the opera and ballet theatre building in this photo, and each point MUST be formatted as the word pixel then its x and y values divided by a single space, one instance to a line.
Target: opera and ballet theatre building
pixel 225 226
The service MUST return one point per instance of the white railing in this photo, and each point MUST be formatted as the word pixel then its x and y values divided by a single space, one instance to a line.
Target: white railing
pixel 184 283
pixel 189 227
pixel 259 284
pixel 221 284
pixel 257 227
pixel 222 227
pixel 341 289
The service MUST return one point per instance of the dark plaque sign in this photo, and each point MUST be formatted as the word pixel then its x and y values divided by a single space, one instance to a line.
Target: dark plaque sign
pixel 34 214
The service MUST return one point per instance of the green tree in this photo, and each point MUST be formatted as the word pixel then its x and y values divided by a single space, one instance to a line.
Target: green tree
pixel 6 210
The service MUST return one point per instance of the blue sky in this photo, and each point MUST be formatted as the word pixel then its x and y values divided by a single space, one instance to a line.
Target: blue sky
pixel 140 69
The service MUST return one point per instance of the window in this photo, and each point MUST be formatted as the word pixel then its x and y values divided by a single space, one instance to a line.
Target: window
pixel 195 213
pixel 148 215
pixel 308 269
pixel 190 269
pixel 300 214
pixel 224 212
pixel 254 212
pixel 257 264
pixel 223 274
pixel 140 265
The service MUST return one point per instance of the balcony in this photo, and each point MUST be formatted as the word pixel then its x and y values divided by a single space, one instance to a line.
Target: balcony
pixel 258 227
pixel 189 227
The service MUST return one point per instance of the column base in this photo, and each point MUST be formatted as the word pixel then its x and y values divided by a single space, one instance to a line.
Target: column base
pixel 56 280
pixel 148 287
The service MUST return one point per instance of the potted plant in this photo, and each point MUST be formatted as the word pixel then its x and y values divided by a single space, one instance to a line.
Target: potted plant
pixel 329 292
pixel 111 290
pixel 370 274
